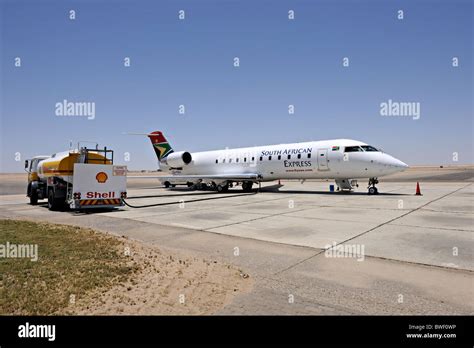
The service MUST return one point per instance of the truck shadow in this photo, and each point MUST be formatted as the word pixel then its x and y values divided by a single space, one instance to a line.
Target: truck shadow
pixel 44 205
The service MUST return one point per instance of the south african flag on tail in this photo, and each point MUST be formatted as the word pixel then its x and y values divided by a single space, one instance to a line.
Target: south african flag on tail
pixel 160 144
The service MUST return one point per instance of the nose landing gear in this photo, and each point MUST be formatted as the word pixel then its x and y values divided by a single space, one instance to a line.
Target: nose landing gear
pixel 372 190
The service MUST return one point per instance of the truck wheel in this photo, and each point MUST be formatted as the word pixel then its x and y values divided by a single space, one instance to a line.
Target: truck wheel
pixel 53 203
pixel 33 194
pixel 34 198
pixel 167 184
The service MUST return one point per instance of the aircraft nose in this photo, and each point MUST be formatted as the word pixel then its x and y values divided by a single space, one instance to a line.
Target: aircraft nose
pixel 398 164
pixel 385 164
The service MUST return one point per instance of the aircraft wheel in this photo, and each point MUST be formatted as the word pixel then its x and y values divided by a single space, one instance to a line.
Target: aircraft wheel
pixel 372 190
pixel 222 188
pixel 247 186
pixel 167 184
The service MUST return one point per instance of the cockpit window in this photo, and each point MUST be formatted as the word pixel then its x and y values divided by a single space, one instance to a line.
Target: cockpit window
pixel 369 148
pixel 353 149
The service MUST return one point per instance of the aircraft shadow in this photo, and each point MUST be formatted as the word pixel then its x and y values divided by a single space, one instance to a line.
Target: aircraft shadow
pixel 272 189
pixel 276 189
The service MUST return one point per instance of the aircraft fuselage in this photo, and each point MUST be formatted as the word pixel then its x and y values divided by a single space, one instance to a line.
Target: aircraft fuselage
pixel 308 160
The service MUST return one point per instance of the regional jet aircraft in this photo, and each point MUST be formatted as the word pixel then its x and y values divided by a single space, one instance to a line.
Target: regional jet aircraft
pixel 343 160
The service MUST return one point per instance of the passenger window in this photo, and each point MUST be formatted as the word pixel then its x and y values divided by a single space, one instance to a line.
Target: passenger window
pixel 353 149
pixel 245 159
pixel 217 161
pixel 261 159
pixel 253 159
pixel 230 160
pixel 223 161
pixel 237 160
pixel 269 158
pixel 279 157
pixel 309 155
pixel 299 156
pixel 289 156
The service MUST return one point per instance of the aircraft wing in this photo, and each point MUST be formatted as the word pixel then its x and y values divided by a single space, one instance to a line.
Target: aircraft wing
pixel 249 176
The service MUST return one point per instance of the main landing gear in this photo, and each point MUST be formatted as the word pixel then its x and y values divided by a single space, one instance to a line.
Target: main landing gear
pixel 222 188
pixel 247 186
pixel 372 190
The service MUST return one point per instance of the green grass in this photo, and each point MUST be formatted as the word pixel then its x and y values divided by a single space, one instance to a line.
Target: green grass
pixel 71 260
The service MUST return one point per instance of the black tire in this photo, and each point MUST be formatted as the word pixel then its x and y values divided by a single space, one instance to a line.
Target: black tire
pixel 167 184
pixel 372 190
pixel 33 197
pixel 247 186
pixel 53 203
pixel 222 188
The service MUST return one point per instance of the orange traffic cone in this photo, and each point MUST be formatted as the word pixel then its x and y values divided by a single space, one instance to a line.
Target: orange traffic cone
pixel 418 191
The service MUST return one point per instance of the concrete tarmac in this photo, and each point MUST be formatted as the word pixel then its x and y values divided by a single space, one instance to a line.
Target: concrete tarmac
pixel 309 250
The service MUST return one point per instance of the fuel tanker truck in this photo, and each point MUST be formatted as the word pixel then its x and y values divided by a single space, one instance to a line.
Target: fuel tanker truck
pixel 79 179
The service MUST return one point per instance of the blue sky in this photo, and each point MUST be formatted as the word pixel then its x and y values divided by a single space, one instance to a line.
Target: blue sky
pixel 282 62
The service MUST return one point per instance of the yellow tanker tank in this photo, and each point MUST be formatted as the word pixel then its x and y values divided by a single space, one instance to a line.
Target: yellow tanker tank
pixel 62 164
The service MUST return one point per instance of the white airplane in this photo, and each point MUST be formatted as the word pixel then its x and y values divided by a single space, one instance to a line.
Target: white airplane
pixel 340 159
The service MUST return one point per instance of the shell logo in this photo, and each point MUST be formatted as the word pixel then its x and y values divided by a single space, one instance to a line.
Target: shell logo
pixel 101 177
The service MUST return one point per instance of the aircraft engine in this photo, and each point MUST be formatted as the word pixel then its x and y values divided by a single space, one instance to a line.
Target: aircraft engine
pixel 178 159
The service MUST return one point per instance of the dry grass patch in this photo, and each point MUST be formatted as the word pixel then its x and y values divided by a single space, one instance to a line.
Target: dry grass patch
pixel 80 271
pixel 71 261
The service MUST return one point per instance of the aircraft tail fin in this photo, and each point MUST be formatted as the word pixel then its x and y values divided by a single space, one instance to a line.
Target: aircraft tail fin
pixel 160 144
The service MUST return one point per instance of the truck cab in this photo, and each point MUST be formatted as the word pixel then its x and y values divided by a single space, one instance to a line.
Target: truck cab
pixel 31 167
pixel 34 190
